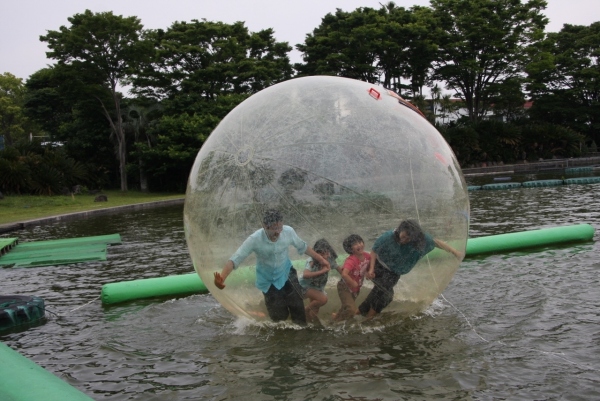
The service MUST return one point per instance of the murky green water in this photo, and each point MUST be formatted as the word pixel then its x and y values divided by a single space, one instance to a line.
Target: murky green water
pixel 517 326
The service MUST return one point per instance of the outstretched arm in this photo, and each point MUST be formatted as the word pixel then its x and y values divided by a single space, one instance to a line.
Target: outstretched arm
pixel 220 277
pixel 442 245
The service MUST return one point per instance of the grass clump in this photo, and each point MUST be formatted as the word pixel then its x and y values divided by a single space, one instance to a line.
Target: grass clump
pixel 16 208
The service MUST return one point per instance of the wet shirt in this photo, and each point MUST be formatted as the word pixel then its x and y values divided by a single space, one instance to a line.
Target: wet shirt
pixel 357 269
pixel 400 258
pixel 272 258
pixel 320 281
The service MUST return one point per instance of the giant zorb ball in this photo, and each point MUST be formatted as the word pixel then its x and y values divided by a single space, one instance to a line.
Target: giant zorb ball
pixel 337 157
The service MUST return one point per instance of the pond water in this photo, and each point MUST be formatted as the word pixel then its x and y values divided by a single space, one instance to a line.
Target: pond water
pixel 516 326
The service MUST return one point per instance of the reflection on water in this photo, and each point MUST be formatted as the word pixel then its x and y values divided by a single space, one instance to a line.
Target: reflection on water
pixel 521 325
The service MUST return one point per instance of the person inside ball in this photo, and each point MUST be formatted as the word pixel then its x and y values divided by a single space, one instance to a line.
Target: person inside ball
pixel 393 254
pixel 314 278
pixel 354 270
pixel 275 275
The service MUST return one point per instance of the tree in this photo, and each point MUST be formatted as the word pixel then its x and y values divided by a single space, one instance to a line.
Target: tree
pixel 507 98
pixel 12 120
pixel 378 46
pixel 448 107
pixel 343 45
pixel 201 71
pixel 436 99
pixel 61 101
pixel 108 48
pixel 138 120
pixel 201 60
pixel 483 42
pixel 565 79
pixel 178 139
pixel 28 167
pixel 407 48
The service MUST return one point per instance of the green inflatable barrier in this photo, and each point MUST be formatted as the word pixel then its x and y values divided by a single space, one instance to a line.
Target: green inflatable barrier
pixel 528 239
pixel 192 284
pixel 184 284
pixel 24 380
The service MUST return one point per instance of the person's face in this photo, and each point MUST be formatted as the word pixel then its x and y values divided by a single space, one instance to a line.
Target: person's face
pixel 403 238
pixel 274 230
pixel 324 254
pixel 358 248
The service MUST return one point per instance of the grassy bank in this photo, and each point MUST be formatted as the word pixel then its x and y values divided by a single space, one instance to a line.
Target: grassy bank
pixel 22 208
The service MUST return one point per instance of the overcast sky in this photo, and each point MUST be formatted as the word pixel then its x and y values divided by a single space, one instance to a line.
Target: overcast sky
pixel 23 21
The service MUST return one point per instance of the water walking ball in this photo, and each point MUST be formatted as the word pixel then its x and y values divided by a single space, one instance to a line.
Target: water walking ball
pixel 335 156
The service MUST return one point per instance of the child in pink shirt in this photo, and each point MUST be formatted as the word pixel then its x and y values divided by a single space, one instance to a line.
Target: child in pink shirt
pixel 353 273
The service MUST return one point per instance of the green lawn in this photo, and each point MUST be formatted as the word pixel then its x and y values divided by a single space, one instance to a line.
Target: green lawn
pixel 22 208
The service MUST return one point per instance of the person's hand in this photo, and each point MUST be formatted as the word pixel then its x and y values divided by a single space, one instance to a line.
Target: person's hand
pixel 219 281
pixel 370 274
pixel 459 255
pixel 325 269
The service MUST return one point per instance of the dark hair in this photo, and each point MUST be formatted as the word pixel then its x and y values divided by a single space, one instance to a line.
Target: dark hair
pixel 322 246
pixel 350 241
pixel 413 230
pixel 272 216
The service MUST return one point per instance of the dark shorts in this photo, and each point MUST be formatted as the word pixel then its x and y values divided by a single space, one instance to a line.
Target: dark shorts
pixel 286 301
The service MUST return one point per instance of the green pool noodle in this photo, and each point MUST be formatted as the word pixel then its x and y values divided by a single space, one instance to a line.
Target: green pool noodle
pixel 528 239
pixel 184 284
pixel 191 283
pixel 24 380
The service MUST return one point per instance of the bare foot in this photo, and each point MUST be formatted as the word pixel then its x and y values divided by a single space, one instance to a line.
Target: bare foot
pixel 311 316
pixel 371 314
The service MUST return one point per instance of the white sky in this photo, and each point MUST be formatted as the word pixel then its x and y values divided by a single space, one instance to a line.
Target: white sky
pixel 23 21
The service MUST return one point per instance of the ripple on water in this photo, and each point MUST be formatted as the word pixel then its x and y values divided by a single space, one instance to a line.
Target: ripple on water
pixel 518 326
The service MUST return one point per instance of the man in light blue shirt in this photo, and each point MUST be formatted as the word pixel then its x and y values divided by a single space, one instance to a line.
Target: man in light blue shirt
pixel 275 276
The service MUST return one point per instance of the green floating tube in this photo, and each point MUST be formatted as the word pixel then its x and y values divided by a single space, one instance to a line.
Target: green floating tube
pixel 191 283
pixel 527 239
pixel 505 185
pixel 578 169
pixel 582 180
pixel 185 284
pixel 542 183
pixel 24 380
pixel 473 187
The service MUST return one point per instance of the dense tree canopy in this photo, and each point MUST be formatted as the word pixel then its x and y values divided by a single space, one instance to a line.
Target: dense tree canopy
pixel 378 46
pixel 66 107
pixel 199 72
pixel 202 60
pixel 184 79
pixel 345 44
pixel 408 48
pixel 482 43
pixel 12 120
pixel 108 48
pixel 565 79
